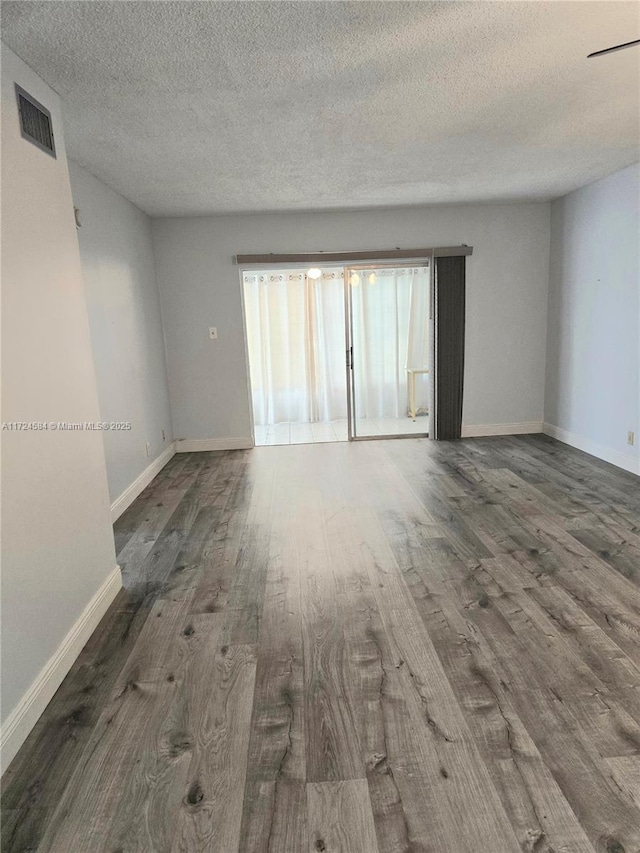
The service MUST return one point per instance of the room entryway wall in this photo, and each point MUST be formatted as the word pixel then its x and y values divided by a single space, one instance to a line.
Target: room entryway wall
pixel 59 572
pixel 127 335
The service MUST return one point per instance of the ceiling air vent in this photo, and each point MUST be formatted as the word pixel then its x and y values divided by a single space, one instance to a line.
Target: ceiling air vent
pixel 35 122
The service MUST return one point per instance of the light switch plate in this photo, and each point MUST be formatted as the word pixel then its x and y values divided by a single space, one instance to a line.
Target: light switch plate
pixel 213 333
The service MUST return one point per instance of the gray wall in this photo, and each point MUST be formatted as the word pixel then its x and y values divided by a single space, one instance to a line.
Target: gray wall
pixel 593 358
pixel 506 311
pixel 57 541
pixel 123 302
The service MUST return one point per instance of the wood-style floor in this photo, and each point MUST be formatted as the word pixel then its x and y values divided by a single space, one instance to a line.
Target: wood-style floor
pixel 385 647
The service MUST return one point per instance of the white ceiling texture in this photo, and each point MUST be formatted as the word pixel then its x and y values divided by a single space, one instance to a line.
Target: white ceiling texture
pixel 213 107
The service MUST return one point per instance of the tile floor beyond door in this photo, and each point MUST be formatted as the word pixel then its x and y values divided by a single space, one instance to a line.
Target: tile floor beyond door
pixel 321 432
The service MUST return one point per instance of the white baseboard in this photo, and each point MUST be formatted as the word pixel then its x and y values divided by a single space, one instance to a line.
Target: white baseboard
pixel 615 457
pixel 193 445
pixel 140 483
pixel 26 714
pixel 501 429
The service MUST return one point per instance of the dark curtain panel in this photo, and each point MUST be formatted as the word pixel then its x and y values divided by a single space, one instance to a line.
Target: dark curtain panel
pixel 449 304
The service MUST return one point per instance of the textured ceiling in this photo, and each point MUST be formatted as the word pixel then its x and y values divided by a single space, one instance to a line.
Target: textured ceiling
pixel 202 107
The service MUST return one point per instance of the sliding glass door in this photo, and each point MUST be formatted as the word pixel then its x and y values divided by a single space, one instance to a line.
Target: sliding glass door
pixel 388 350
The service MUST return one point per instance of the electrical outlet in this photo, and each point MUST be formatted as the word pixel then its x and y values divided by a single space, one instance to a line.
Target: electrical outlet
pixel 213 333
pixel 148 446
pixel 631 438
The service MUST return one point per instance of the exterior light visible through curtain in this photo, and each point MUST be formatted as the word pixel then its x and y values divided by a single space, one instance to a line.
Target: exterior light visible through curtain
pixel 355 279
pixel 372 278
pixel 314 272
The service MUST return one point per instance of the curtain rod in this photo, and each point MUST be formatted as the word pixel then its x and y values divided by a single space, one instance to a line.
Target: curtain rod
pixel 347 257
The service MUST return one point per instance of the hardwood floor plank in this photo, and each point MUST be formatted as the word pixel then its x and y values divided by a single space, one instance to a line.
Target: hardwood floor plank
pixel 409 797
pixel 220 553
pixel 604 656
pixel 509 574
pixel 559 668
pixel 609 599
pixel 507 533
pixel 244 604
pixel 218 704
pixel 618 550
pixel 249 576
pixel 340 817
pixel 466 544
pixel 540 815
pixel 575 764
pixel 149 526
pixel 163 569
pixel 602 477
pixel 333 750
pixel 33 785
pixel 275 817
pixel 596 705
pixel 140 702
pixel 132 520
pixel 155 568
pixel 274 814
pixel 410 805
pixel 514 492
pixel 431 702
pixel 144 818
pixel 605 813
pixel 17 829
pixel 625 772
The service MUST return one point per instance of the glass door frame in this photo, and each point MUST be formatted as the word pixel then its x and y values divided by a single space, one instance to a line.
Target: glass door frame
pixel 424 261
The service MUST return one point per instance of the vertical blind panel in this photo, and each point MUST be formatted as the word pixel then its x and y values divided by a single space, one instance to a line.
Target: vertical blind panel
pixel 449 346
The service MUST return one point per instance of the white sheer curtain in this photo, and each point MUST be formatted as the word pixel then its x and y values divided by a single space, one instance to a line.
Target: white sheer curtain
pixel 390 334
pixel 296 342
pixel 295 337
